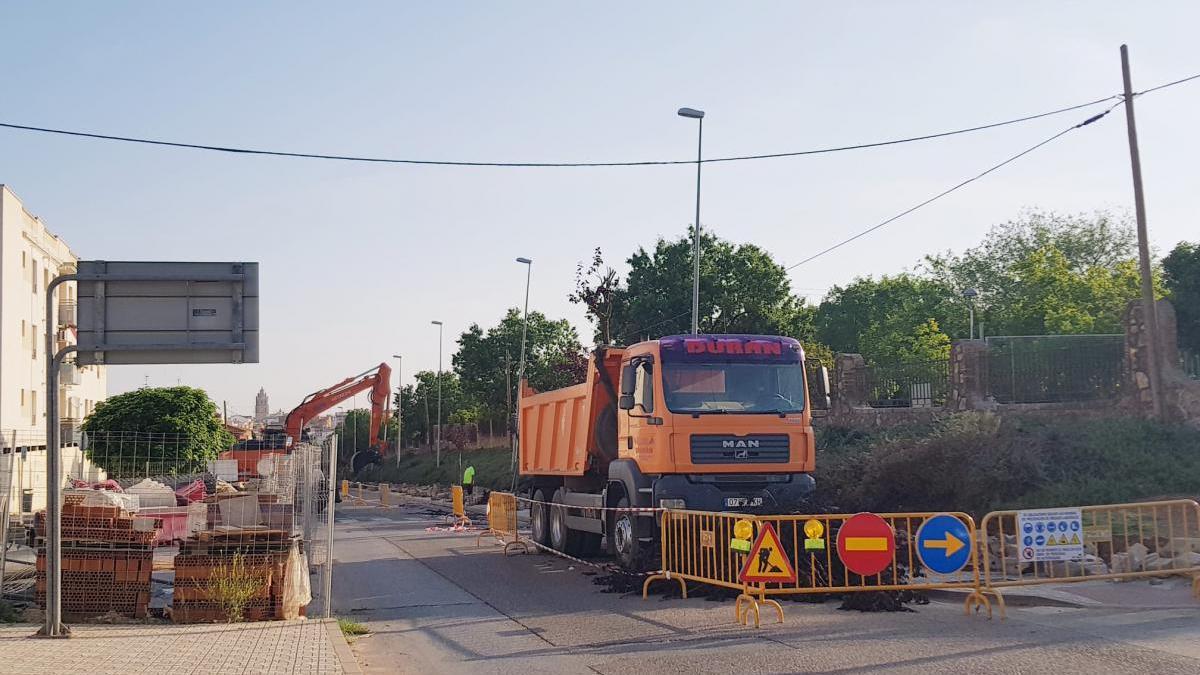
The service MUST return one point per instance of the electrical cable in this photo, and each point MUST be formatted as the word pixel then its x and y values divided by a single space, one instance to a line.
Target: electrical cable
pixel 956 187
pixel 386 160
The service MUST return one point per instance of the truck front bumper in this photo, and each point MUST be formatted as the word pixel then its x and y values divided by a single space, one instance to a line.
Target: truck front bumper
pixel 770 494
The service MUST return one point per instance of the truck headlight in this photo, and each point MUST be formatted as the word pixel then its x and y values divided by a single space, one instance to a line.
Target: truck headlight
pixel 672 504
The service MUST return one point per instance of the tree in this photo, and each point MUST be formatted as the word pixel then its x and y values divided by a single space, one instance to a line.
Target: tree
pixel 891 304
pixel 487 361
pixel 173 430
pixel 353 434
pixel 598 288
pixel 1047 273
pixel 1181 275
pixel 419 409
pixel 742 290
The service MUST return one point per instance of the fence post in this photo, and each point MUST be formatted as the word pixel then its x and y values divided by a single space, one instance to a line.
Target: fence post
pixel 327 573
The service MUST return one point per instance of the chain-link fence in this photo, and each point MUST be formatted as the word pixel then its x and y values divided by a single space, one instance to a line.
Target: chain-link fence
pixel 1055 368
pixel 921 384
pixel 160 524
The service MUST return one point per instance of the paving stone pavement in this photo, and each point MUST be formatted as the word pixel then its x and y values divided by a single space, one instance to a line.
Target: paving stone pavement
pixel 264 647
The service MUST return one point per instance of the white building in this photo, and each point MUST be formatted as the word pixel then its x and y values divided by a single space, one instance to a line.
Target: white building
pixel 30 256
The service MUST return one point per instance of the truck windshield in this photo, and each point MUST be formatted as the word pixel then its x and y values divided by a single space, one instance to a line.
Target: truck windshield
pixel 734 387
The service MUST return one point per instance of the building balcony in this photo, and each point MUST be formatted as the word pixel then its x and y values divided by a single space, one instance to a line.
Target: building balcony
pixel 67 310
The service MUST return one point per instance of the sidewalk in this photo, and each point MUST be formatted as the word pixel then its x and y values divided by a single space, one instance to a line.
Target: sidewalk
pixel 303 646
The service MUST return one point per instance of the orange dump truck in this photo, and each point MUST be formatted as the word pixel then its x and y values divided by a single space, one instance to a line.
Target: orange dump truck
pixel 705 422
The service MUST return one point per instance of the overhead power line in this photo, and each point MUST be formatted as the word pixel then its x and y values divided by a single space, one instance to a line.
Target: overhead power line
pixel 644 329
pixel 389 160
pixel 954 188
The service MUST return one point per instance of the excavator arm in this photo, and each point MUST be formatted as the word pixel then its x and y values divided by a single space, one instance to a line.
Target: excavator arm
pixel 376 380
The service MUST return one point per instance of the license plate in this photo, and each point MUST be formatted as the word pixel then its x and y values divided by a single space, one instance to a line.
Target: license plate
pixel 739 502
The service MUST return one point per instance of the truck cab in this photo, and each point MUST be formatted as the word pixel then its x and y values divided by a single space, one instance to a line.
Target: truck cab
pixel 703 422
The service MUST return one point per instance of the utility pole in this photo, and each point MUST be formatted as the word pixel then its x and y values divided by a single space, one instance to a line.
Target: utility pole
pixel 1149 314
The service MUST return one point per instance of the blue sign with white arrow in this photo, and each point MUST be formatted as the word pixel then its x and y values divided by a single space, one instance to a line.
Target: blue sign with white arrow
pixel 944 543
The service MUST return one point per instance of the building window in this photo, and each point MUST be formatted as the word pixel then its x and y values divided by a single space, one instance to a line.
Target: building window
pixel 33 277
pixel 33 417
pixel 33 339
pixel 22 398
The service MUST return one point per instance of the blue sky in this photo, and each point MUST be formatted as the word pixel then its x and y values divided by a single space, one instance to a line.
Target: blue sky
pixel 358 258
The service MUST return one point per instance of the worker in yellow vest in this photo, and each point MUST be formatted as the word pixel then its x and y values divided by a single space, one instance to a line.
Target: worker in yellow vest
pixel 468 479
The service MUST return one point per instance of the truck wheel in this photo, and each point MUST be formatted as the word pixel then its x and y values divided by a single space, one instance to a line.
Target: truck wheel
pixel 539 518
pixel 562 538
pixel 630 551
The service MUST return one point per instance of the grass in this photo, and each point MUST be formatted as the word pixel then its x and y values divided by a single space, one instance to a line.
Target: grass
pixel 352 629
pixel 493 469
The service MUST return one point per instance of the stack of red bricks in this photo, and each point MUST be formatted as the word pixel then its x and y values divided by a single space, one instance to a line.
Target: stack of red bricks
pixel 107 559
pixel 260 555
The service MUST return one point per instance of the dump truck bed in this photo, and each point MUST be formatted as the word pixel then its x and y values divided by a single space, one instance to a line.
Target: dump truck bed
pixel 558 428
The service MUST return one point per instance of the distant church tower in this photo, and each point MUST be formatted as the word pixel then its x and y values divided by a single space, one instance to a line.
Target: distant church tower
pixel 261 408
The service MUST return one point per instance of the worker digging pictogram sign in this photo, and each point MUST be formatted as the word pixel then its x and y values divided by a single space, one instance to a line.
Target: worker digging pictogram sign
pixel 866 544
pixel 767 562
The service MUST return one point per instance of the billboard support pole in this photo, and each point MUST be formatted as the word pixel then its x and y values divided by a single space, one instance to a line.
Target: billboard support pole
pixel 53 626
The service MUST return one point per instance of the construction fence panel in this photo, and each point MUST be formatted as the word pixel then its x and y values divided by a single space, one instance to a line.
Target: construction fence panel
pixel 153 524
pixel 820 570
pixel 502 522
pixel 1113 541
pixel 695 546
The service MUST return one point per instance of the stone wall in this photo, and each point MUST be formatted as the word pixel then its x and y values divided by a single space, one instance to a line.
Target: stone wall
pixel 1181 393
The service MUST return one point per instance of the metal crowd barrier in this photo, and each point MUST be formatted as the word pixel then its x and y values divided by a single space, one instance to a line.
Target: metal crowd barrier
pixel 502 522
pixel 1117 541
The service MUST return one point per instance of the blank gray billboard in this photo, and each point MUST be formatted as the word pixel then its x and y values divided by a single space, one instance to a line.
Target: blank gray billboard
pixel 167 312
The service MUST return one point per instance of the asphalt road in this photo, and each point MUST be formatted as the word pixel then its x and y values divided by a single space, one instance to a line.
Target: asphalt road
pixel 437 604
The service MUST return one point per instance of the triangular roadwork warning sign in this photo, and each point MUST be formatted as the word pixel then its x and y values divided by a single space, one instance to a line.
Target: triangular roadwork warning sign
pixel 767 562
pixel 1075 539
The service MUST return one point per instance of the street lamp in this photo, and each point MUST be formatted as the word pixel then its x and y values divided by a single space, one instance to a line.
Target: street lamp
pixel 399 402
pixel 437 444
pixel 697 115
pixel 521 368
pixel 970 294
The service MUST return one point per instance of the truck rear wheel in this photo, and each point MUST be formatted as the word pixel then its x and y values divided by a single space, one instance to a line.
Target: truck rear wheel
pixel 631 553
pixel 562 538
pixel 539 518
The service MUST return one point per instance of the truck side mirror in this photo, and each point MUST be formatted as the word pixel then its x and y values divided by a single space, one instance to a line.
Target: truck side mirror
pixel 625 402
pixel 628 382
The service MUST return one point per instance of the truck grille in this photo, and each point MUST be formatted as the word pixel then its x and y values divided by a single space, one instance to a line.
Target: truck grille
pixel 752 449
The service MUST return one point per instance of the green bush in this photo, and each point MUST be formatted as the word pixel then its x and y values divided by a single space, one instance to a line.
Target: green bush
pixel 976 462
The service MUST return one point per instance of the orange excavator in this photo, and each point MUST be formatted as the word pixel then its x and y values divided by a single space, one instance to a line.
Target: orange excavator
pixel 279 440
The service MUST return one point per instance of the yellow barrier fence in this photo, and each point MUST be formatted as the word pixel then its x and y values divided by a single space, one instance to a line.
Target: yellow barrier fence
pixel 801 555
pixel 695 547
pixel 1113 541
pixel 459 514
pixel 345 489
pixel 502 522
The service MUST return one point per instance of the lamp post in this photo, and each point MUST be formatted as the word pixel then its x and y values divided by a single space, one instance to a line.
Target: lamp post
pixel 970 294
pixel 437 444
pixel 521 368
pixel 399 409
pixel 697 115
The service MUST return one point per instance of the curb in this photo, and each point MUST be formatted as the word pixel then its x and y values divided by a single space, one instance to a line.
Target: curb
pixel 341 648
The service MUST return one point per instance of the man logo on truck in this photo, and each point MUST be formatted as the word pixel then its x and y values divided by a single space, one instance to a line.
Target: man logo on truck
pixel 739 444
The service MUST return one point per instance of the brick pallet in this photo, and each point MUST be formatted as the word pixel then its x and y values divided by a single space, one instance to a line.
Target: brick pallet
pixel 96 581
pixel 264 553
